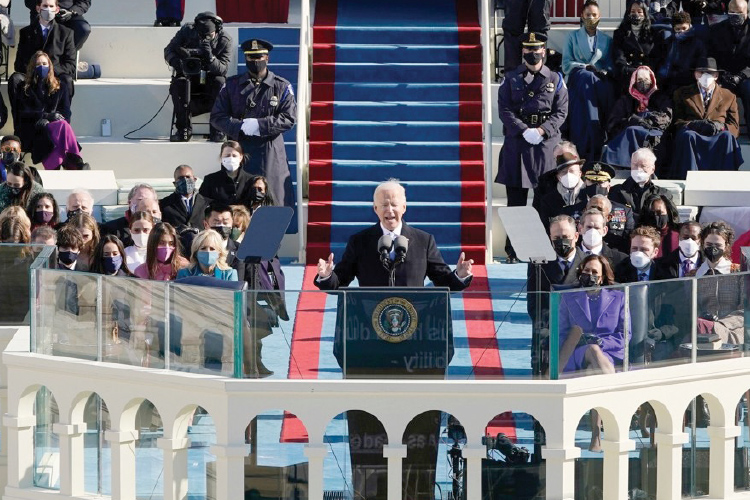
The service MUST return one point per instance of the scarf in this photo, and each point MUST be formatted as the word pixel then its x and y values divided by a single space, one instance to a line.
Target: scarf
pixel 638 96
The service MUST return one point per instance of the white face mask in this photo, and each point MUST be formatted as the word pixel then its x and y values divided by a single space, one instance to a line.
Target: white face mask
pixel 639 176
pixel 639 259
pixel 570 180
pixel 592 238
pixel 47 14
pixel 706 80
pixel 231 163
pixel 689 247
pixel 140 239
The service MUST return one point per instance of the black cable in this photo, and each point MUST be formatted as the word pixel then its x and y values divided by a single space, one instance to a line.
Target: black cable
pixel 142 126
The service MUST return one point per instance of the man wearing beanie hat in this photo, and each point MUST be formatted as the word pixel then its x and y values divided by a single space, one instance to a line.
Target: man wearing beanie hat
pixel 199 55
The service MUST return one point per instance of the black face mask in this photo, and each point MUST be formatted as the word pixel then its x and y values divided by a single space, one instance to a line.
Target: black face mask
pixel 562 246
pixel 642 87
pixel 67 258
pixel 256 195
pixel 15 190
pixel 713 254
pixel 635 19
pixel 224 231
pixel 660 220
pixel 256 66
pixel 736 20
pixel 588 280
pixel 595 189
pixel 532 58
pixel 73 213
pixel 11 157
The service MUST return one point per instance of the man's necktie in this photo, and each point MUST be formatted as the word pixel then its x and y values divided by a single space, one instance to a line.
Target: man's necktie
pixel 642 276
pixel 687 266
pixel 187 205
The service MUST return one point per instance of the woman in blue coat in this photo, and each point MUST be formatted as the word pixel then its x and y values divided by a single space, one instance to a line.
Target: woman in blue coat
pixel 587 62
pixel 208 257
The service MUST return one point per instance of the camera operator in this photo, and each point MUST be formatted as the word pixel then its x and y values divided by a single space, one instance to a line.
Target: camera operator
pixel 70 15
pixel 199 55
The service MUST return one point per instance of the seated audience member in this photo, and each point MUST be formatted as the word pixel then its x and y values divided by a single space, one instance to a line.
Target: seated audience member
pixel 16 212
pixel 69 244
pixel 120 227
pixel 208 258
pixel 240 222
pixel 10 152
pixel 43 211
pixel 108 258
pixel 19 188
pixel 659 212
pixel 721 303
pixel 592 229
pixel 569 188
pixel 14 230
pixel 729 43
pixel 587 60
pixel 619 221
pixel 706 125
pixel 259 195
pixel 79 200
pixel 43 116
pixel 677 54
pixel 89 229
pixel 184 207
pixel 638 119
pixel 70 15
pixel 151 206
pixel 48 35
pixel 686 258
pixel 640 266
pixel 742 241
pixel 703 13
pixel 231 184
pixel 163 255
pixel 141 224
pixel 44 235
pixel 638 187
pixel 633 43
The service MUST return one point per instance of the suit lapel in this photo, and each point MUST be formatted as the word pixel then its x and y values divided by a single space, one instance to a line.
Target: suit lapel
pixel 582 302
pixel 714 103
pixel 583 44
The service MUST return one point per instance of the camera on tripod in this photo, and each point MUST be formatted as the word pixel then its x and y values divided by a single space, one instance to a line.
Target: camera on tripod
pixel 514 454
pixel 192 65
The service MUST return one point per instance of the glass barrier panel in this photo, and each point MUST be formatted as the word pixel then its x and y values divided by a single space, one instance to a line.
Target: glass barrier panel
pixel 15 261
pixel 292 334
pixel 394 333
pixel 47 466
pixel 742 444
pixel 66 314
pixel 201 329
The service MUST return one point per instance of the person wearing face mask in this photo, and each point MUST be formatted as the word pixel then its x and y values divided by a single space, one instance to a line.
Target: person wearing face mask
pixel 141 224
pixel 638 187
pixel 19 188
pixel 569 188
pixel 231 184
pixel 259 195
pixel 706 123
pixel 640 265
pixel 163 255
pixel 208 258
pixel 587 62
pixel 10 152
pixel 120 227
pixel 199 53
pixel 256 108
pixel 640 117
pixel 43 211
pixel 686 258
pixel 532 125
pixel 721 294
pixel 633 43
pixel 109 258
pixel 592 228
pixel 660 213
pixel 729 43
pixel 69 15
pixel 185 206
pixel 69 244
pixel 619 219
pixel 677 55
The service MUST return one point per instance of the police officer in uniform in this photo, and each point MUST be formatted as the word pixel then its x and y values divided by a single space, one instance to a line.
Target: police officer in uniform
pixel 199 54
pixel 533 104
pixel 255 109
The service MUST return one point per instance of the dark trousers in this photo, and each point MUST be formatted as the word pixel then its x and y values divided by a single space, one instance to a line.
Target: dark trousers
pixel 190 97
pixel 517 14
pixel 517 197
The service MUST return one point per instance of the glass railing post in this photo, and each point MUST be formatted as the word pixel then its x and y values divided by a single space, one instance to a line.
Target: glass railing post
pixel 33 300
pixel 99 330
pixel 554 336
pixel 694 319
pixel 239 315
pixel 167 347
pixel 626 329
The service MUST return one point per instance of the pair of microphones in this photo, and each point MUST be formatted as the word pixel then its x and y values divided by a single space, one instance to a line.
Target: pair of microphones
pixel 399 245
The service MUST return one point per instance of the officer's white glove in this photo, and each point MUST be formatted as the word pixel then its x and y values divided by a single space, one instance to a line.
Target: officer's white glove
pixel 250 126
pixel 532 136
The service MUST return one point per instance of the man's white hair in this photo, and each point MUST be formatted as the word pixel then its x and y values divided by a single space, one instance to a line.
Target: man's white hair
pixel 644 155
pixel 82 192
pixel 391 184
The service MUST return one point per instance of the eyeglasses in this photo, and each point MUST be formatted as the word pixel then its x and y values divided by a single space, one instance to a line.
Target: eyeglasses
pixel 9 149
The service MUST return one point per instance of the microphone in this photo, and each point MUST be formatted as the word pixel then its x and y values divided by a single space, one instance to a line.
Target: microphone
pixel 402 246
pixel 385 243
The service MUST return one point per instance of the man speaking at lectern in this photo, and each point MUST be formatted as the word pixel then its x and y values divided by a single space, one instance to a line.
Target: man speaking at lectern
pixel 361 258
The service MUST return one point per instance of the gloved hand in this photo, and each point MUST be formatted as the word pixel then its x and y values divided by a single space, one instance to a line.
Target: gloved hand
pixel 598 72
pixel 638 121
pixel 53 117
pixel 703 127
pixel 40 124
pixel 730 81
pixel 250 126
pixel 718 127
pixel 183 53
pixel 205 50
pixel 64 15
pixel 532 136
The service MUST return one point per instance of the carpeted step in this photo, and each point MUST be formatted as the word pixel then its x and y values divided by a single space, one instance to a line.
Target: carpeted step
pixel 398 35
pixel 473 232
pixel 421 211
pixel 353 130
pixel 395 72
pixel 396 111
pixel 381 54
pixel 356 170
pixel 381 91
pixel 415 190
pixel 353 150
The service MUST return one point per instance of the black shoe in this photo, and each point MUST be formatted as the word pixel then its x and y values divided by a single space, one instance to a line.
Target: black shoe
pixel 160 22
pixel 512 259
pixel 181 135
pixel 215 136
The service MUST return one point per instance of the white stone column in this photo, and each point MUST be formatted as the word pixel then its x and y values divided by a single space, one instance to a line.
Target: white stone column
pixel 71 457
pixel 615 477
pixel 721 461
pixel 474 456
pixel 230 470
pixel 122 446
pixel 316 455
pixel 395 453
pixel 175 467
pixel 669 464
pixel 20 445
pixel 560 467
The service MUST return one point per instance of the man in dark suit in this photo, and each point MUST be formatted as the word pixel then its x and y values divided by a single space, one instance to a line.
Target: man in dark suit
pixel 51 37
pixel 593 228
pixel 120 227
pixel 361 260
pixel 679 263
pixel 638 187
pixel 70 15
pixel 569 189
pixel 185 206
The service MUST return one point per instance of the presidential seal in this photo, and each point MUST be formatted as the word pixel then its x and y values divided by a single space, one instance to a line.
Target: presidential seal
pixel 394 320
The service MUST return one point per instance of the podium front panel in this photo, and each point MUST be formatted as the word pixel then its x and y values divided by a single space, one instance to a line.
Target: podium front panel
pixel 394 333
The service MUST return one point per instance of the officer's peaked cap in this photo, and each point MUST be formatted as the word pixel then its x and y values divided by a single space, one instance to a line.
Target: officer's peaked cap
pixel 533 40
pixel 256 46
